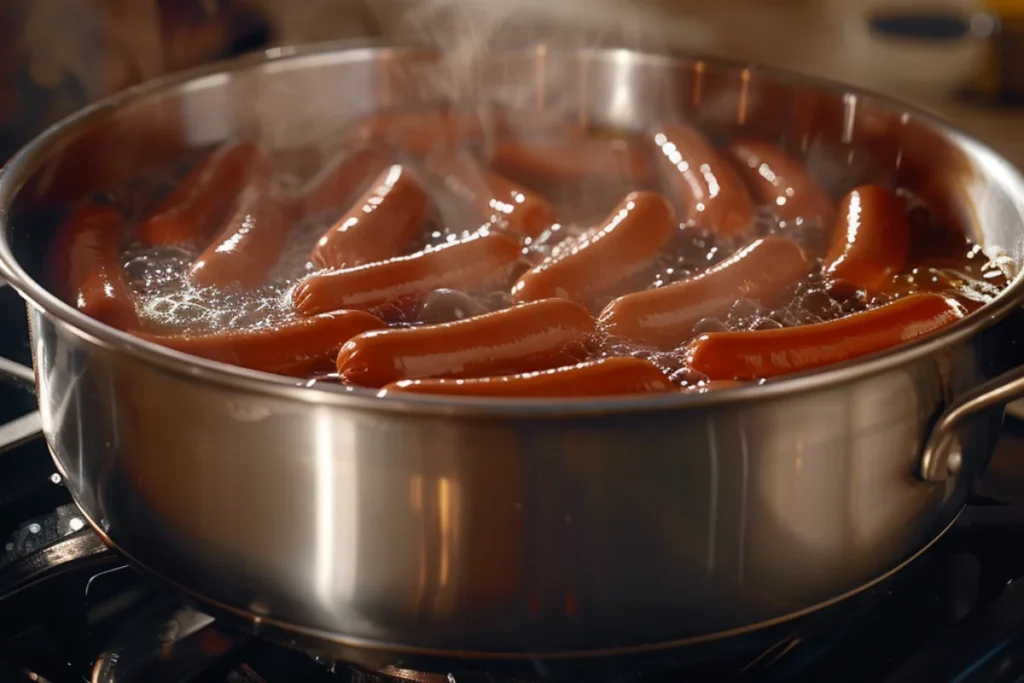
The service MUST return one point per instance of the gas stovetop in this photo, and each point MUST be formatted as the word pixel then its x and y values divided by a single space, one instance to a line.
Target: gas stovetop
pixel 955 614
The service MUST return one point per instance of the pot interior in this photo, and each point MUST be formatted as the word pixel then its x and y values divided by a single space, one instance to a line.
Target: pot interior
pixel 304 100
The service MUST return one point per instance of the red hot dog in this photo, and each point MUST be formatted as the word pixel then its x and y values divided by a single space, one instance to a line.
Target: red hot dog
pixel 665 317
pixel 482 261
pixel 770 353
pixel 495 198
pixel 871 239
pixel 337 182
pixel 298 348
pixel 191 212
pixel 778 180
pixel 249 244
pixel 378 225
pixel 606 377
pixel 87 257
pixel 628 241
pixel 705 184
pixel 573 161
pixel 535 336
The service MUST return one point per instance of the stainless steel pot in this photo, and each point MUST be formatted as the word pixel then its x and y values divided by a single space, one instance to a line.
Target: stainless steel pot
pixel 514 529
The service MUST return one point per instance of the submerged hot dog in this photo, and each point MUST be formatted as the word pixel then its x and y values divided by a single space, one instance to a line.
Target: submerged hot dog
pixel 781 182
pixel 248 245
pixel 421 131
pixel 870 240
pixel 378 225
pixel 192 211
pixel 711 193
pixel 339 180
pixel 535 336
pixel 297 348
pixel 665 317
pixel 479 262
pixel 770 353
pixel 495 198
pixel 628 241
pixel 87 258
pixel 573 161
pixel 605 377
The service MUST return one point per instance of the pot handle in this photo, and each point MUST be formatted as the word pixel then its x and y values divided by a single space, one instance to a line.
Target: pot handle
pixel 942 453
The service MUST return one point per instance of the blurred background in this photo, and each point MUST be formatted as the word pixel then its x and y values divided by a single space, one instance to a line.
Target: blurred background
pixel 959 58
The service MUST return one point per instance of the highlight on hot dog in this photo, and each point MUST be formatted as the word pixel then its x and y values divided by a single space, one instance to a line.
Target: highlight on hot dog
pixel 248 245
pixel 379 224
pixel 665 317
pixel 770 353
pixel 703 182
pixel 492 197
pixel 870 240
pixel 780 182
pixel 337 182
pixel 630 239
pixel 482 261
pixel 192 211
pixel 604 377
pixel 298 347
pixel 535 336
pixel 471 252
pixel 87 264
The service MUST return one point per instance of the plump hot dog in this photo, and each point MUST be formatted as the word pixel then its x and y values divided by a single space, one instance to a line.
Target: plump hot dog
pixel 770 353
pixel 248 245
pixel 710 192
pixel 298 348
pixel 86 267
pixel 573 161
pixel 193 210
pixel 870 240
pixel 482 261
pixel 378 225
pixel 778 180
pixel 665 317
pixel 421 131
pixel 535 336
pixel 605 377
pixel 628 241
pixel 336 184
pixel 495 198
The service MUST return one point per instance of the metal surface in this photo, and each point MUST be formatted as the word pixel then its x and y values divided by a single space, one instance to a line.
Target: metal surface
pixel 511 529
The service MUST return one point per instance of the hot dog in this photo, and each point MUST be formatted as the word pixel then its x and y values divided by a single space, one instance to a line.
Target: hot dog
pixel 573 161
pixel 535 336
pixel 419 132
pixel 339 180
pixel 706 185
pixel 778 180
pixel 298 348
pixel 770 353
pixel 193 210
pixel 248 245
pixel 378 225
pixel 628 241
pixel 870 240
pixel 87 266
pixel 605 377
pixel 493 197
pixel 665 317
pixel 482 261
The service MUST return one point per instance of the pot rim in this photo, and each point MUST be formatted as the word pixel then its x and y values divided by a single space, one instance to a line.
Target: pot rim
pixel 22 165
